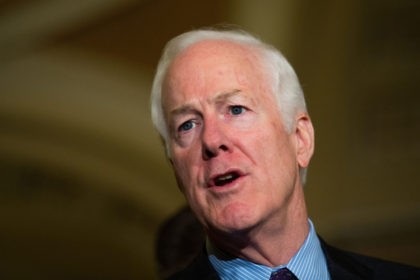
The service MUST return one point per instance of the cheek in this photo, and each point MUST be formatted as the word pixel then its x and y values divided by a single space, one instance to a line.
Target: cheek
pixel 277 150
pixel 182 171
pixel 186 168
pixel 246 123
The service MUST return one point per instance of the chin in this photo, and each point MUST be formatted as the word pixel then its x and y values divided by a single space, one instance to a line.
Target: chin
pixel 236 220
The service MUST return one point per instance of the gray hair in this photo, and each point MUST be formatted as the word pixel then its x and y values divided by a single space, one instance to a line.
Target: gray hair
pixel 284 82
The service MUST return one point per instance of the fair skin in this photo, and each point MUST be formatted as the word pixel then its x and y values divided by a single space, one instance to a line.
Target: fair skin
pixel 234 161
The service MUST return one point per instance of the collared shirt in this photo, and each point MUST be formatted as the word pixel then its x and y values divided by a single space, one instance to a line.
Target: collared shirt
pixel 307 264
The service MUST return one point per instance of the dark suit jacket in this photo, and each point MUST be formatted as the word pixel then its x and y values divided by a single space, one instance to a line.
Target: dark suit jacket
pixel 342 265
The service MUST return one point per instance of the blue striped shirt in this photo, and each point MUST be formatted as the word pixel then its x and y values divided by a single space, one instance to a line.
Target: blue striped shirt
pixel 308 264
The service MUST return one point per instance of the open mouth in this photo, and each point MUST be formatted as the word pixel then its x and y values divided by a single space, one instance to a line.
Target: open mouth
pixel 225 179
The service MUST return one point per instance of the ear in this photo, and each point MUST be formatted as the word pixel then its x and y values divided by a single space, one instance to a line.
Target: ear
pixel 305 140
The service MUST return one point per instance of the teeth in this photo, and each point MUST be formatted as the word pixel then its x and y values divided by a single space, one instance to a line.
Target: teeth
pixel 224 179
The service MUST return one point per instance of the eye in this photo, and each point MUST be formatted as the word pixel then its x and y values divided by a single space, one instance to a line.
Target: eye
pixel 186 126
pixel 236 109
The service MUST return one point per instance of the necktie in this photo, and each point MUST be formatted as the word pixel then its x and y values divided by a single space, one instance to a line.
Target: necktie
pixel 283 274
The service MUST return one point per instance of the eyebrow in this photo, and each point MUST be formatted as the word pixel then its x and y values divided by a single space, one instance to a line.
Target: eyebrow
pixel 187 108
pixel 225 95
pixel 219 98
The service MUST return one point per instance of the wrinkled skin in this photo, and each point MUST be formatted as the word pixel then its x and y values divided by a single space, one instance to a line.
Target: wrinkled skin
pixel 233 158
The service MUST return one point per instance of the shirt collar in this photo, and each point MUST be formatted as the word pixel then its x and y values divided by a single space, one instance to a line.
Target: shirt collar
pixel 308 263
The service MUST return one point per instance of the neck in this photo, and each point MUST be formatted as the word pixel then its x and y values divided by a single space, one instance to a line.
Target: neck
pixel 272 243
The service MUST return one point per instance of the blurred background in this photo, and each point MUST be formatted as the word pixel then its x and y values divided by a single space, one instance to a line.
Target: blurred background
pixel 84 180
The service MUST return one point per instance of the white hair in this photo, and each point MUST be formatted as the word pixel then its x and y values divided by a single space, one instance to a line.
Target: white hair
pixel 284 82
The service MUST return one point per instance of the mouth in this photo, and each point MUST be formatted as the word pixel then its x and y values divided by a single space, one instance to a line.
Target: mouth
pixel 225 179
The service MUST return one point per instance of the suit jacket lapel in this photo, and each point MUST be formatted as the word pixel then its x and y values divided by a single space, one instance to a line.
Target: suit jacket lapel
pixel 200 268
pixel 343 265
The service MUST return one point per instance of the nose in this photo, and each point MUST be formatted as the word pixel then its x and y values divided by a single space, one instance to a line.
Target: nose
pixel 214 140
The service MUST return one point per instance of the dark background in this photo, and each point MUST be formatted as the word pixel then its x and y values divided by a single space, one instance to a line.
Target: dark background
pixel 84 181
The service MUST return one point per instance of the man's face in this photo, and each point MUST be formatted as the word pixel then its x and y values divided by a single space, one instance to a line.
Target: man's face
pixel 234 160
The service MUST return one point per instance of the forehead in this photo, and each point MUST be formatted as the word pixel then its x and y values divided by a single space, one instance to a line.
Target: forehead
pixel 210 68
pixel 214 49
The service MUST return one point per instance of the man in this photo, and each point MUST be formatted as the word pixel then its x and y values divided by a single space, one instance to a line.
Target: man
pixel 234 121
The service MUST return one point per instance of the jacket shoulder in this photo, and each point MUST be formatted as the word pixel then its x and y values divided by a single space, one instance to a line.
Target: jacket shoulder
pixel 200 268
pixel 347 265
